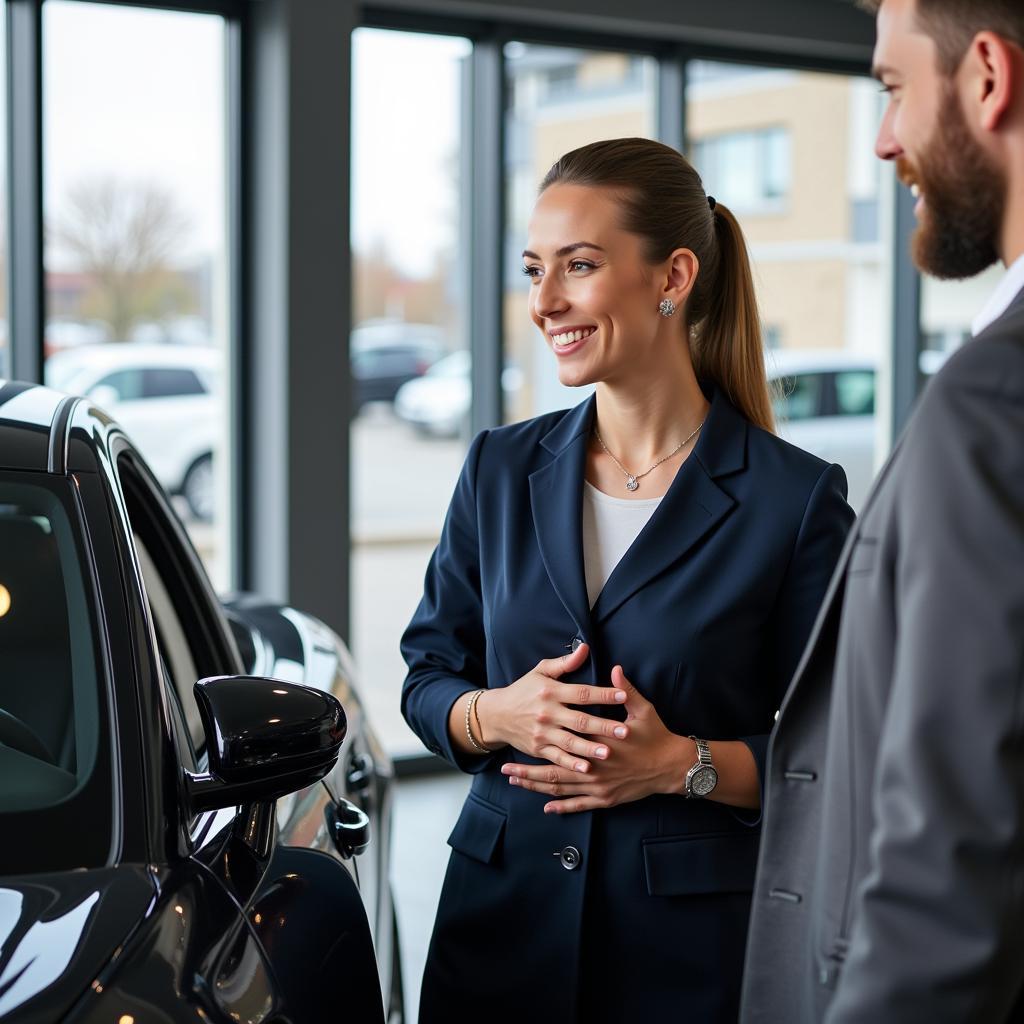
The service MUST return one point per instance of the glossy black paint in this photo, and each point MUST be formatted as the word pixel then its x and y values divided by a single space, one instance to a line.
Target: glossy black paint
pixel 57 928
pixel 26 413
pixel 259 727
pixel 230 914
pixel 265 738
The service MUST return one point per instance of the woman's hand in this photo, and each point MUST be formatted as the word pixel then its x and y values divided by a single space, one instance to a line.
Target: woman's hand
pixel 531 715
pixel 652 760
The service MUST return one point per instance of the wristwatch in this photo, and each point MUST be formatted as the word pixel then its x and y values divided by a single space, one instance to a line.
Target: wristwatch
pixel 702 778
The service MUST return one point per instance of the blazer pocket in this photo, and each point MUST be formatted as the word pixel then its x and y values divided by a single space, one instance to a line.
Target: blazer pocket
pixel 706 862
pixel 863 556
pixel 479 829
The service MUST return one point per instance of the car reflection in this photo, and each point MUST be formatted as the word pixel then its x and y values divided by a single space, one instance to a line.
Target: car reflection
pixel 43 953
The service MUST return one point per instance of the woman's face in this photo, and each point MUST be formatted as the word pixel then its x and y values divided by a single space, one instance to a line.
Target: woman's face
pixel 592 294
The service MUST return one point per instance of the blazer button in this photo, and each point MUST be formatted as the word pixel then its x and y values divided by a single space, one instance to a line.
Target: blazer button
pixel 569 857
pixel 575 644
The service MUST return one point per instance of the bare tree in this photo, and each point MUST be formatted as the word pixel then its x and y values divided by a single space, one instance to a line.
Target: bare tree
pixel 123 235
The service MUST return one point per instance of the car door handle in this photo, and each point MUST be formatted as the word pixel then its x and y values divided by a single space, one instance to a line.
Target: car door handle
pixel 359 773
pixel 349 827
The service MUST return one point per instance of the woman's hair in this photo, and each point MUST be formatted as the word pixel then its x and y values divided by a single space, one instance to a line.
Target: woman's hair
pixel 663 201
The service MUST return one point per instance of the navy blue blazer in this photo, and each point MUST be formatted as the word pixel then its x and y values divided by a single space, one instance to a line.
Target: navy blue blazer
pixel 708 613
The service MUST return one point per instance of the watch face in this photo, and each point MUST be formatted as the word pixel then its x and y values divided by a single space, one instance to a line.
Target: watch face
pixel 704 781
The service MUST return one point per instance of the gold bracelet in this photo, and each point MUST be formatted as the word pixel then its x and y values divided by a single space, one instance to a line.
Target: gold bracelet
pixel 470 708
pixel 476 717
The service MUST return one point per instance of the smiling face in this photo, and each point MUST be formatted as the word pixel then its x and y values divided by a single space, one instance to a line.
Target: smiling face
pixel 593 295
pixel 960 191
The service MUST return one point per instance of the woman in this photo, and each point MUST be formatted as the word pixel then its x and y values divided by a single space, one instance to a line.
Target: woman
pixel 656 547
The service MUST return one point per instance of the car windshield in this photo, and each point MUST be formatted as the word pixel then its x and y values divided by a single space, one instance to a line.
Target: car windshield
pixel 66 371
pixel 50 710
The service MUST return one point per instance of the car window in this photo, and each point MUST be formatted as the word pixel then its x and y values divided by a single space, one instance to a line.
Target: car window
pixel 126 383
pixel 170 382
pixel 177 663
pixel 193 639
pixel 49 710
pixel 801 397
pixel 855 392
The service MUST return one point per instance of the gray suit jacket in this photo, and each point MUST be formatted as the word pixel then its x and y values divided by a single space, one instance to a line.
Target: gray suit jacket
pixel 890 883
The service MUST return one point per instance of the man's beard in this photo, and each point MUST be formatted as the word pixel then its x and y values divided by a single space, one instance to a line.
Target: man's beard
pixel 964 199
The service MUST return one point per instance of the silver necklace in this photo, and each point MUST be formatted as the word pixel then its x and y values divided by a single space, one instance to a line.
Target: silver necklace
pixel 633 479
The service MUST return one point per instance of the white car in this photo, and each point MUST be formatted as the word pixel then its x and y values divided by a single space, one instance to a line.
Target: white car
pixel 438 402
pixel 167 398
pixel 828 408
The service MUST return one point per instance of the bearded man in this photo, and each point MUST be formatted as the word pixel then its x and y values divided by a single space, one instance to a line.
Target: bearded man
pixel 891 877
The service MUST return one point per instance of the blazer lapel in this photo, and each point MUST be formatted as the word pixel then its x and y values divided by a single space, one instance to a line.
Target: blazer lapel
pixel 693 505
pixel 556 497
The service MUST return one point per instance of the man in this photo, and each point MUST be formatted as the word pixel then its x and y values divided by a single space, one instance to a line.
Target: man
pixel 891 876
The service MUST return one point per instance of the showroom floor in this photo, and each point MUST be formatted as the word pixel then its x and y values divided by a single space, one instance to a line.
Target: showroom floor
pixel 425 811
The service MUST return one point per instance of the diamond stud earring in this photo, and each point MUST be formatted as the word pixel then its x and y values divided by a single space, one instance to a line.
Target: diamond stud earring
pixel 666 307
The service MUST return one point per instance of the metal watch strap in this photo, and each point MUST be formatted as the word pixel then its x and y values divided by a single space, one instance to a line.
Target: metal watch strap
pixel 703 750
pixel 703 765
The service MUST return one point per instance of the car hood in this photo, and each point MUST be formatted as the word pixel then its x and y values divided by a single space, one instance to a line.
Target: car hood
pixel 58 933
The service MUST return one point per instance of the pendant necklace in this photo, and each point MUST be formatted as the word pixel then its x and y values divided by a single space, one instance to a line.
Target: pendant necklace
pixel 633 479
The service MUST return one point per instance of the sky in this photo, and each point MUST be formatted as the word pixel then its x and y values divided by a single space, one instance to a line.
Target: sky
pixel 405 144
pixel 140 94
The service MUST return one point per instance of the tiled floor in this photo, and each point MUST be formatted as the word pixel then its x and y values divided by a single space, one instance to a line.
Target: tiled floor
pixel 425 811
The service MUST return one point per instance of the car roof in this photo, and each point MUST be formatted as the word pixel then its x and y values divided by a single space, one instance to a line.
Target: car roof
pixel 113 355
pixel 28 415
pixel 782 362
pixel 394 334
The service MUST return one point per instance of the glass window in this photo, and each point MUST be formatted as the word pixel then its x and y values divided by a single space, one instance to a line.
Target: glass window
pixel 408 436
pixel 183 615
pixel 855 393
pixel 135 211
pixel 948 309
pixel 751 167
pixel 51 716
pixel 5 352
pixel 601 95
pixel 169 383
pixel 125 385
pixel 792 154
pixel 801 397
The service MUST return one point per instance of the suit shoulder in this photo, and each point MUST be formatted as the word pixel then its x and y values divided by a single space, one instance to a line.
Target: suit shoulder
pixel 767 452
pixel 517 437
pixel 991 364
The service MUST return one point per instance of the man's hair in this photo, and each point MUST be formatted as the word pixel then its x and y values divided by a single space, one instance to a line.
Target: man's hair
pixel 954 23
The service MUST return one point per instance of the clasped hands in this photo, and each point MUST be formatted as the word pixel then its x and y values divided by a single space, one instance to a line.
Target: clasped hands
pixel 628 760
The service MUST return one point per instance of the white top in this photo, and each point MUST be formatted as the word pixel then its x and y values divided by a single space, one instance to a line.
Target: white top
pixel 610 525
pixel 1005 293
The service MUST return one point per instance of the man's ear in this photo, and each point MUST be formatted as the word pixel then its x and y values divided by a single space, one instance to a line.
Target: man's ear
pixel 991 72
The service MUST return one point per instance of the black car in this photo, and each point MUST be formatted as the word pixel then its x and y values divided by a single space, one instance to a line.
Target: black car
pixel 182 832
pixel 387 354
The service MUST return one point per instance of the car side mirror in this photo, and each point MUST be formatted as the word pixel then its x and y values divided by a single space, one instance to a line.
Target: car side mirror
pixel 265 738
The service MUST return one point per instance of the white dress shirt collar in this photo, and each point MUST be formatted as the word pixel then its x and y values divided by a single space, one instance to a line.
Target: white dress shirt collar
pixel 1009 287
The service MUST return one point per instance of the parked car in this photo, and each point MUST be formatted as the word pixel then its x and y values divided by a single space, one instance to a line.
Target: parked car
pixel 386 354
pixel 186 783
pixel 438 402
pixel 827 406
pixel 167 397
